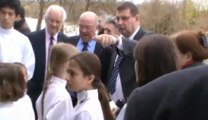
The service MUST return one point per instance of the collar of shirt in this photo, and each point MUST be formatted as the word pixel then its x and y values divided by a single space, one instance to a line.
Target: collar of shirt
pixel 6 30
pixel 87 94
pixel 134 33
pixel 91 45
pixel 59 81
pixel 48 36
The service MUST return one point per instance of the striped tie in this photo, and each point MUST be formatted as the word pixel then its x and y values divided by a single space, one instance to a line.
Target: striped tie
pixel 115 71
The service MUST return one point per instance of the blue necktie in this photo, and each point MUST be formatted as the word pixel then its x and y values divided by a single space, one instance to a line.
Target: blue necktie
pixel 114 75
pixel 85 45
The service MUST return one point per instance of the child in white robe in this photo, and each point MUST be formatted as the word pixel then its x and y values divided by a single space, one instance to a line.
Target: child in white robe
pixel 93 101
pixel 14 103
pixel 55 102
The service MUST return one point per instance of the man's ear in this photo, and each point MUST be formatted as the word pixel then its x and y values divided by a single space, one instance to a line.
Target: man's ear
pixel 17 18
pixel 137 17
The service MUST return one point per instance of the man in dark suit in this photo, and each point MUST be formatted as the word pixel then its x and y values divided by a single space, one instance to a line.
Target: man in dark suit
pixel 128 23
pixel 88 23
pixel 41 42
pixel 181 95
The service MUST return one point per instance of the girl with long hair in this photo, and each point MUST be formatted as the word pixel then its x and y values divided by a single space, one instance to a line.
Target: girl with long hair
pixel 55 103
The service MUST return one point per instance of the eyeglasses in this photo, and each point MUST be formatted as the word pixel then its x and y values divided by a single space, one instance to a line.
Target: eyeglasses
pixel 124 18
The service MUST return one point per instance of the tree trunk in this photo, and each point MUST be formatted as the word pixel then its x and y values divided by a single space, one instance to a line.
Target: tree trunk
pixel 40 16
pixel 87 5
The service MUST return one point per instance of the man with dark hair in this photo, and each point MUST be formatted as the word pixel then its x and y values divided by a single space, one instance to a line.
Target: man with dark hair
pixel 14 46
pixel 128 23
pixel 128 20
pixel 20 24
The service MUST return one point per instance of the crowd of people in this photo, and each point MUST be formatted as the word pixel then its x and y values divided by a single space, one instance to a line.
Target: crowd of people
pixel 113 70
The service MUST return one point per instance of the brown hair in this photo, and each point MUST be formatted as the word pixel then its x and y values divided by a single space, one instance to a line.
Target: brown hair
pixel 192 41
pixel 12 82
pixel 155 55
pixel 60 54
pixel 90 64
pixel 129 5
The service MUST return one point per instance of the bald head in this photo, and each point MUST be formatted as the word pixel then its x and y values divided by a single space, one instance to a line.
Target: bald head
pixel 88 22
pixel 89 16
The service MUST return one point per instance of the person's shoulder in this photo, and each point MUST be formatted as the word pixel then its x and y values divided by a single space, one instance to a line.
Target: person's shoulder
pixel 36 33
pixel 147 32
pixel 180 79
pixel 75 37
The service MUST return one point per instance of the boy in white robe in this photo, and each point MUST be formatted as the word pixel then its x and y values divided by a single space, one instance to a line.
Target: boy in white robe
pixel 14 46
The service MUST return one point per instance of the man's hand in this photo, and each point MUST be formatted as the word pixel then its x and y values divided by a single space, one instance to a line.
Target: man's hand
pixel 106 40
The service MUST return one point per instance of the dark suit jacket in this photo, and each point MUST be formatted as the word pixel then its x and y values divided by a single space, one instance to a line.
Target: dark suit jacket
pixel 37 40
pixel 126 68
pixel 74 40
pixel 180 95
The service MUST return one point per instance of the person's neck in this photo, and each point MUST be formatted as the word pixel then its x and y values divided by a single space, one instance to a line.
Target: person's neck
pixel 6 28
pixel 61 75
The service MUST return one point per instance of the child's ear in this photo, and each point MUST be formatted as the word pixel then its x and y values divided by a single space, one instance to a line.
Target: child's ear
pixel 90 78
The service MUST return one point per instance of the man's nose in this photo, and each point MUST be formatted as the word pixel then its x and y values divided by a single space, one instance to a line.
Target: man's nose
pixel 54 24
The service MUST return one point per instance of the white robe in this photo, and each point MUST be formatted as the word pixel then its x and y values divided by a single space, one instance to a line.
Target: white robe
pixel 57 102
pixel 19 110
pixel 16 47
pixel 88 106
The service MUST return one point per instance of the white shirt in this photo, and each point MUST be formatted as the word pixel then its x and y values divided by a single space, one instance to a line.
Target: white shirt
pixel 18 110
pixel 57 102
pixel 16 47
pixel 88 106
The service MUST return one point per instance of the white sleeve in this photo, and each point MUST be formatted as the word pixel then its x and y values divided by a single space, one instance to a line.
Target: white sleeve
pixel 28 58
pixel 83 116
pixel 120 43
pixel 63 110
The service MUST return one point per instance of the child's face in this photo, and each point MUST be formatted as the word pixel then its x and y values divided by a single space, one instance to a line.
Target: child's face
pixel 77 81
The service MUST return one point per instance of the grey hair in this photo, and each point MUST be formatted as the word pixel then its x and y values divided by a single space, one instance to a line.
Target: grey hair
pixel 56 7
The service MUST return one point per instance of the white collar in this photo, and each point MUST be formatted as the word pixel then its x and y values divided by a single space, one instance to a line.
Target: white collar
pixel 58 80
pixel 134 33
pixel 3 30
pixel 87 94
pixel 48 35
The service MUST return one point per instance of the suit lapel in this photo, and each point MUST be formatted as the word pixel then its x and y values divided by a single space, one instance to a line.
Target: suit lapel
pixel 139 34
